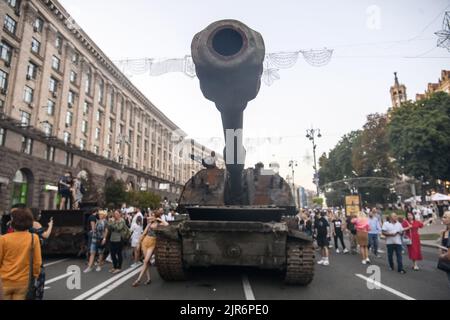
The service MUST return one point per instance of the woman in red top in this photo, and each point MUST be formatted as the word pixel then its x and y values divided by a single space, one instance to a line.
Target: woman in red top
pixel 411 228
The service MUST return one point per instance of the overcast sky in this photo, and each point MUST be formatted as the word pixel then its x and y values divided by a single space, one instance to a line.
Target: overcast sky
pixel 371 40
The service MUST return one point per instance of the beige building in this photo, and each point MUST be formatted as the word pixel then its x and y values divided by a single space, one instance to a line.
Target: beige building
pixel 64 104
pixel 442 85
pixel 398 93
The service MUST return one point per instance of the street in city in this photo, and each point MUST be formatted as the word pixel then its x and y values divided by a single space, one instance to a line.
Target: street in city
pixel 345 279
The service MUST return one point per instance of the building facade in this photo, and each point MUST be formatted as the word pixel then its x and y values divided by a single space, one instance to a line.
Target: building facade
pixel 65 106
pixel 398 93
pixel 443 85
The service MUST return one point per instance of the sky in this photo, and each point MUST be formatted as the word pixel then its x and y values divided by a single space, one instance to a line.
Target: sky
pixel 371 40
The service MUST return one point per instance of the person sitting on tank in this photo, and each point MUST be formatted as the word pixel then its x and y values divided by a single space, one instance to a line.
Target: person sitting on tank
pixel 210 162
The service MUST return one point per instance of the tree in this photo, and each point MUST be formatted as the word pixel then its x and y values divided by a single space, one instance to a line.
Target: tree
pixel 143 199
pixel 419 137
pixel 115 193
pixel 370 156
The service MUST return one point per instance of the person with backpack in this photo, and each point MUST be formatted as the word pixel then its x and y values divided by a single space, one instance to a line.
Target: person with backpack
pixel 118 234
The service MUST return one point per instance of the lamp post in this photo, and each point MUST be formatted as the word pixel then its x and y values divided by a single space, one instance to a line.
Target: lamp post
pixel 312 134
pixel 292 165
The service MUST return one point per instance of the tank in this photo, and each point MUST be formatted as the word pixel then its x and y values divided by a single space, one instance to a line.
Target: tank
pixel 234 216
pixel 69 235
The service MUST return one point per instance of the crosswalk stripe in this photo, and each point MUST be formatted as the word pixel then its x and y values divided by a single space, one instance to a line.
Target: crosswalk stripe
pixel 104 284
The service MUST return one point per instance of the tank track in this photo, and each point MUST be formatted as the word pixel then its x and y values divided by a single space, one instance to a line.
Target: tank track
pixel 300 263
pixel 169 260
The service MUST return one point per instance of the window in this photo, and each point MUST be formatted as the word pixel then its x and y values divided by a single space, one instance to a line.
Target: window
pixel 96 150
pixel 31 71
pixel 58 42
pixel 85 108
pixel 108 140
pixel 5 52
pixel 121 128
pixel 101 89
pixel 50 108
pixel 38 25
pixel 87 88
pixel 69 118
pixel 130 136
pixel 2 106
pixel 66 137
pixel 75 58
pixel 82 144
pixel 50 153
pixel 112 101
pixel 84 126
pixel 53 85
pixel 111 124
pixel 35 46
pixel 73 77
pixel 97 134
pixel 27 145
pixel 3 81
pixel 48 129
pixel 10 24
pixel 28 94
pixel 99 116
pixel 68 159
pixel 55 63
pixel 122 109
pixel 71 98
pixel 2 137
pixel 12 3
pixel 108 154
pixel 25 118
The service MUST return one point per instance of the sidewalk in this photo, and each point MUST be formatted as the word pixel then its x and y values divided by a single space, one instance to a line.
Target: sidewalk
pixel 435 229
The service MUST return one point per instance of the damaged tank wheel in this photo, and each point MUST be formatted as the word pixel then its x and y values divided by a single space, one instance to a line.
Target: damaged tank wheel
pixel 169 260
pixel 300 263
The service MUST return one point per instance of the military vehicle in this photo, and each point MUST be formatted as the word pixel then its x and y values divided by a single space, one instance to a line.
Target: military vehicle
pixel 69 235
pixel 236 217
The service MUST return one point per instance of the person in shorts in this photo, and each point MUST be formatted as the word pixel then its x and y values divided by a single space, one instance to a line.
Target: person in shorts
pixel 322 232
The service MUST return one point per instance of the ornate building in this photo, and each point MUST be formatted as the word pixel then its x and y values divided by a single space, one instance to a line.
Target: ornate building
pixel 65 106
pixel 442 85
pixel 398 93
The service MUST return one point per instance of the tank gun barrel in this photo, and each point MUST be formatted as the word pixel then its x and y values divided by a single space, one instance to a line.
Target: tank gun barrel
pixel 228 58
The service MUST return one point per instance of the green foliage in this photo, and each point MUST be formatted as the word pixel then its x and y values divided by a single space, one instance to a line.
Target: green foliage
pixel 143 199
pixel 419 136
pixel 318 201
pixel 115 193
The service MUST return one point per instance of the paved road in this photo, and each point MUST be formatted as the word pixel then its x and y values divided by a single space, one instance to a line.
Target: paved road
pixel 344 279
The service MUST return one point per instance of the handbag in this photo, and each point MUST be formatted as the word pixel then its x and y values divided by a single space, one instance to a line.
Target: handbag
pixel 444 265
pixel 406 240
pixel 31 291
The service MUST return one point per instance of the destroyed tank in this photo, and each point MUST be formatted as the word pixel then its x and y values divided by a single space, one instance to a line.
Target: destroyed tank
pixel 235 216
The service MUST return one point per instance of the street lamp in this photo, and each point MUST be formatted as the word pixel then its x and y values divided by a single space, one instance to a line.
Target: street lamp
pixel 312 134
pixel 292 165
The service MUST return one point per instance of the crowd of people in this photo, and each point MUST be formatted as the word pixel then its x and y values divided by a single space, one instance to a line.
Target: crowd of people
pixel 111 232
pixel 108 234
pixel 365 230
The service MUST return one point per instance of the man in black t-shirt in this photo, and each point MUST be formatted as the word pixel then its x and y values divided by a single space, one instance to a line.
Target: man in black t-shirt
pixel 322 232
pixel 338 234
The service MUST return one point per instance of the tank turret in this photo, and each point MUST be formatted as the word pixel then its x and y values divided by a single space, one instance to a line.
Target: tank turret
pixel 229 57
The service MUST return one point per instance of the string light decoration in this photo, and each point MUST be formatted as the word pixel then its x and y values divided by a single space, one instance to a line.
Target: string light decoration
pixel 444 34
pixel 273 63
